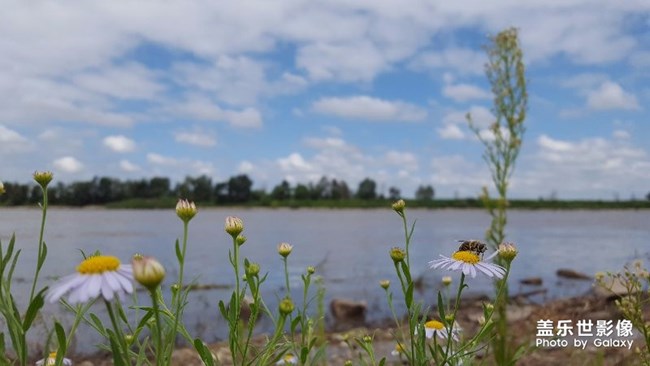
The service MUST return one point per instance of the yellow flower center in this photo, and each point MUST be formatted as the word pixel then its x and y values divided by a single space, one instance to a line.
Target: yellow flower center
pixel 98 264
pixel 289 357
pixel 466 256
pixel 434 324
pixel 399 348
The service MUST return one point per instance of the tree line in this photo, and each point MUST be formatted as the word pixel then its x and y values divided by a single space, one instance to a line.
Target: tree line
pixel 236 190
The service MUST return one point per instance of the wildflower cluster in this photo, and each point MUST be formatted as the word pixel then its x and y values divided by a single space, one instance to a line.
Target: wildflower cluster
pixel 632 286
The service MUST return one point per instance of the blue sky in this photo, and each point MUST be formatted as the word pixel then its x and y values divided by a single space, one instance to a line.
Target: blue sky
pixel 295 90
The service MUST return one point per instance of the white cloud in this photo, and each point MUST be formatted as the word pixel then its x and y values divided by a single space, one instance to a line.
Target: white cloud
pixel 452 121
pixel 196 138
pixel 369 108
pixel 119 143
pixel 451 132
pixel 68 164
pixel 9 136
pixel 464 61
pixel 621 134
pixel 128 166
pixel 407 161
pixel 464 92
pixel 245 167
pixel 610 95
pixel 587 168
pixel 130 81
pixel 201 108
pixel 158 159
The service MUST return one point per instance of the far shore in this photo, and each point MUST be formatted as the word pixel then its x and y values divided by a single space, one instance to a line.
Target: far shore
pixel 436 204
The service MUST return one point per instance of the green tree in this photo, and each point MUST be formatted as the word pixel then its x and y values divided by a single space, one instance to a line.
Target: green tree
pixel 394 193
pixel 301 192
pixel 424 193
pixel 239 188
pixel 367 189
pixel 282 191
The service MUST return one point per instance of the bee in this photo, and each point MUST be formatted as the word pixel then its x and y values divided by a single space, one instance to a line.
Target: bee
pixel 474 246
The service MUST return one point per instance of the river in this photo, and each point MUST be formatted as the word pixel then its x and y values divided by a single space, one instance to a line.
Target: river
pixel 349 249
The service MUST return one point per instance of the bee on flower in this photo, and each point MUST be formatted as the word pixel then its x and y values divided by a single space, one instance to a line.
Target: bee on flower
pixel 469 262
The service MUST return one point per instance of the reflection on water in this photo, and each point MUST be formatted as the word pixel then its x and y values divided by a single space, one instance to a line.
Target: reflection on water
pixel 349 248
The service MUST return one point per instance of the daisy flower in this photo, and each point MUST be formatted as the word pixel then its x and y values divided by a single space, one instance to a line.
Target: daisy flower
pixel 468 262
pixel 51 360
pixel 96 275
pixel 434 327
pixel 288 359
pixel 398 351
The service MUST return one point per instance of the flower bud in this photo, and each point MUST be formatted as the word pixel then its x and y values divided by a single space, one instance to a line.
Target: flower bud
pixel 128 338
pixel 175 287
pixel 234 226
pixel 286 306
pixel 367 339
pixel 43 178
pixel 284 249
pixel 147 271
pixel 446 280
pixel 311 270
pixel 2 188
pixel 384 284
pixel 185 210
pixel 348 363
pixel 507 251
pixel 397 254
pixel 253 269
pixel 240 240
pixel 398 207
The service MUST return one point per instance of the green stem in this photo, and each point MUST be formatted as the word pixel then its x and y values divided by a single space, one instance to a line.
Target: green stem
pixel 407 240
pixel 178 296
pixel 118 334
pixel 40 260
pixel 156 310
pixel 450 327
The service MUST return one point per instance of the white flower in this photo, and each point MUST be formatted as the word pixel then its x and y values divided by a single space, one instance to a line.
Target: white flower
pixel 468 262
pixel 97 275
pixel 398 350
pixel 51 360
pixel 288 359
pixel 434 327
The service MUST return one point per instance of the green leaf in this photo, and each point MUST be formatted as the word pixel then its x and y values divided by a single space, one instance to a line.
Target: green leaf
pixel 13 267
pixel 409 295
pixel 179 254
pixel 441 306
pixel 41 260
pixel 36 304
pixel 222 308
pixel 97 324
pixel 382 362
pixel 115 349
pixel 304 352
pixel 204 352
pixel 295 323
pixel 61 339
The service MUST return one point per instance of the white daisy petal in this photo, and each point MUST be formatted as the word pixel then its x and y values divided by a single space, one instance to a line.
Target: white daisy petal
pixel 97 276
pixel 66 284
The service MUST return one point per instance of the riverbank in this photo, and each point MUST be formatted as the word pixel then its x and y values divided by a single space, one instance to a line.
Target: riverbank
pixel 523 319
